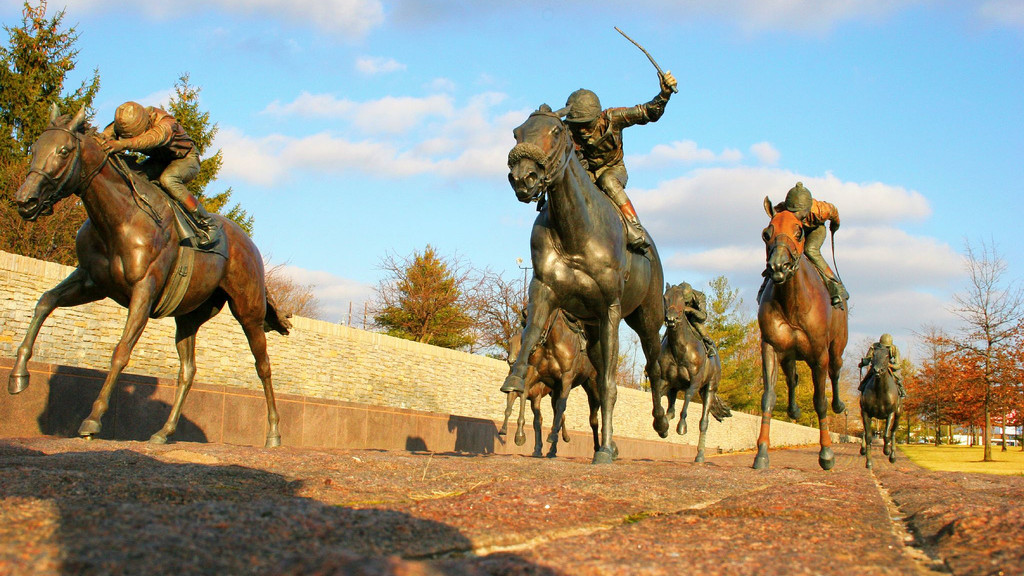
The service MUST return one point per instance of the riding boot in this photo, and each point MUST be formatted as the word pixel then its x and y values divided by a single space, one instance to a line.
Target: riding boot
pixel 205 223
pixel 710 345
pixel 838 292
pixel 636 238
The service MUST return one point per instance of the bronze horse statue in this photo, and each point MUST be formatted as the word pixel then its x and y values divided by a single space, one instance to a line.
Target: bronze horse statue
pixel 557 365
pixel 797 322
pixel 687 368
pixel 880 399
pixel 126 254
pixel 581 264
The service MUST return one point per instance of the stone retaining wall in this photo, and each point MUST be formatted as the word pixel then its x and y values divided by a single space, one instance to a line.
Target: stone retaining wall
pixel 320 360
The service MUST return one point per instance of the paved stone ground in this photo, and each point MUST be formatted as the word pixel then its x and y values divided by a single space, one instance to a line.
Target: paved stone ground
pixel 76 507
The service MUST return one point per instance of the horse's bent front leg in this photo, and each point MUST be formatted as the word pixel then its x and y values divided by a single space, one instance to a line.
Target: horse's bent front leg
pixel 142 301
pixel 769 374
pixel 76 289
pixel 539 310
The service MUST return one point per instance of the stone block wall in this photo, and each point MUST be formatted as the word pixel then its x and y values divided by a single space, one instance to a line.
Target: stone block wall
pixel 322 360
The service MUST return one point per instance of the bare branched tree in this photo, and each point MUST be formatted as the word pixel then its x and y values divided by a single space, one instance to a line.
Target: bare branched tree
pixel 992 309
pixel 290 296
pixel 498 305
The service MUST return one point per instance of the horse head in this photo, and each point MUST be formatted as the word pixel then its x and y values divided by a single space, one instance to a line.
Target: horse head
pixel 675 304
pixel 784 243
pixel 541 153
pixel 55 169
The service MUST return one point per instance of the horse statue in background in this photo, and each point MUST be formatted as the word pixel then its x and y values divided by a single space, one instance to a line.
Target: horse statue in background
pixel 128 250
pixel 686 367
pixel 797 322
pixel 557 365
pixel 880 399
pixel 581 265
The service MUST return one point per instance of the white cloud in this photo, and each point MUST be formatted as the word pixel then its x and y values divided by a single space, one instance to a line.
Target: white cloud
pixel 765 153
pixel 681 152
pixel 1008 13
pixel 709 205
pixel 378 65
pixel 462 142
pixel 809 16
pixel 336 295
pixel 391 114
pixel 348 18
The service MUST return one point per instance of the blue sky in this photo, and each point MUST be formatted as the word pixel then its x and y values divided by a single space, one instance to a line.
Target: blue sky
pixel 351 128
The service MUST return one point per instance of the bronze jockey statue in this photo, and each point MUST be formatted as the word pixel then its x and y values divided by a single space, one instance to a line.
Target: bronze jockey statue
pixel 885 341
pixel 597 135
pixel 697 314
pixel 172 156
pixel 813 214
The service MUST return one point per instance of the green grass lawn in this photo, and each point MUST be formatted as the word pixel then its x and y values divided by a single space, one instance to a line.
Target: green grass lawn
pixel 965 458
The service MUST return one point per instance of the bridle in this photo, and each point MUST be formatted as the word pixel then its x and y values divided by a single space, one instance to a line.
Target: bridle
pixel 543 161
pixel 69 168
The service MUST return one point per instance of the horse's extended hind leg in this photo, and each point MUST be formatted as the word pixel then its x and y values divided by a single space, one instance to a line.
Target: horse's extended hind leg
pixel 646 321
pixel 185 341
pixel 138 315
pixel 834 370
pixel 769 374
pixel 250 315
pixel 76 289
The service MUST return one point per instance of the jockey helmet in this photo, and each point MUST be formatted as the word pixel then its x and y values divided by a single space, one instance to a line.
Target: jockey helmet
pixel 885 340
pixel 798 199
pixel 130 120
pixel 583 106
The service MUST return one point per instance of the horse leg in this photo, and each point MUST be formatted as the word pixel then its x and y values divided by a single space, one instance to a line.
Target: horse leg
pixel 558 404
pixel 704 419
pixel 138 315
pixel 682 427
pixel 185 341
pixel 647 324
pixel 541 306
pixel 510 402
pixel 826 458
pixel 769 374
pixel 835 367
pixel 895 417
pixel 865 448
pixel 609 336
pixel 251 319
pixel 538 425
pixel 792 381
pixel 76 289
pixel 595 406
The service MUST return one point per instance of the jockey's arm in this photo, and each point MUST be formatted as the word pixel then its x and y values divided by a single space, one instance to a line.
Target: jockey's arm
pixel 160 134
pixel 822 212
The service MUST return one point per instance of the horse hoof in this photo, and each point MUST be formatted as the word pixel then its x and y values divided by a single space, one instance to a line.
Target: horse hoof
pixel 552 454
pixel 886 450
pixel 537 454
pixel 603 456
pixel 700 458
pixel 273 442
pixel 892 458
pixel 520 439
pixel 552 438
pixel 794 413
pixel 503 430
pixel 513 383
pixel 838 407
pixel 826 459
pixel 761 460
pixel 89 427
pixel 868 465
pixel 17 383
pixel 158 438
pixel 661 426
pixel 863 451
pixel 615 449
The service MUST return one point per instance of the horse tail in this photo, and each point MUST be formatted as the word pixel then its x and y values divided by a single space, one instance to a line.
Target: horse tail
pixel 718 408
pixel 275 320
